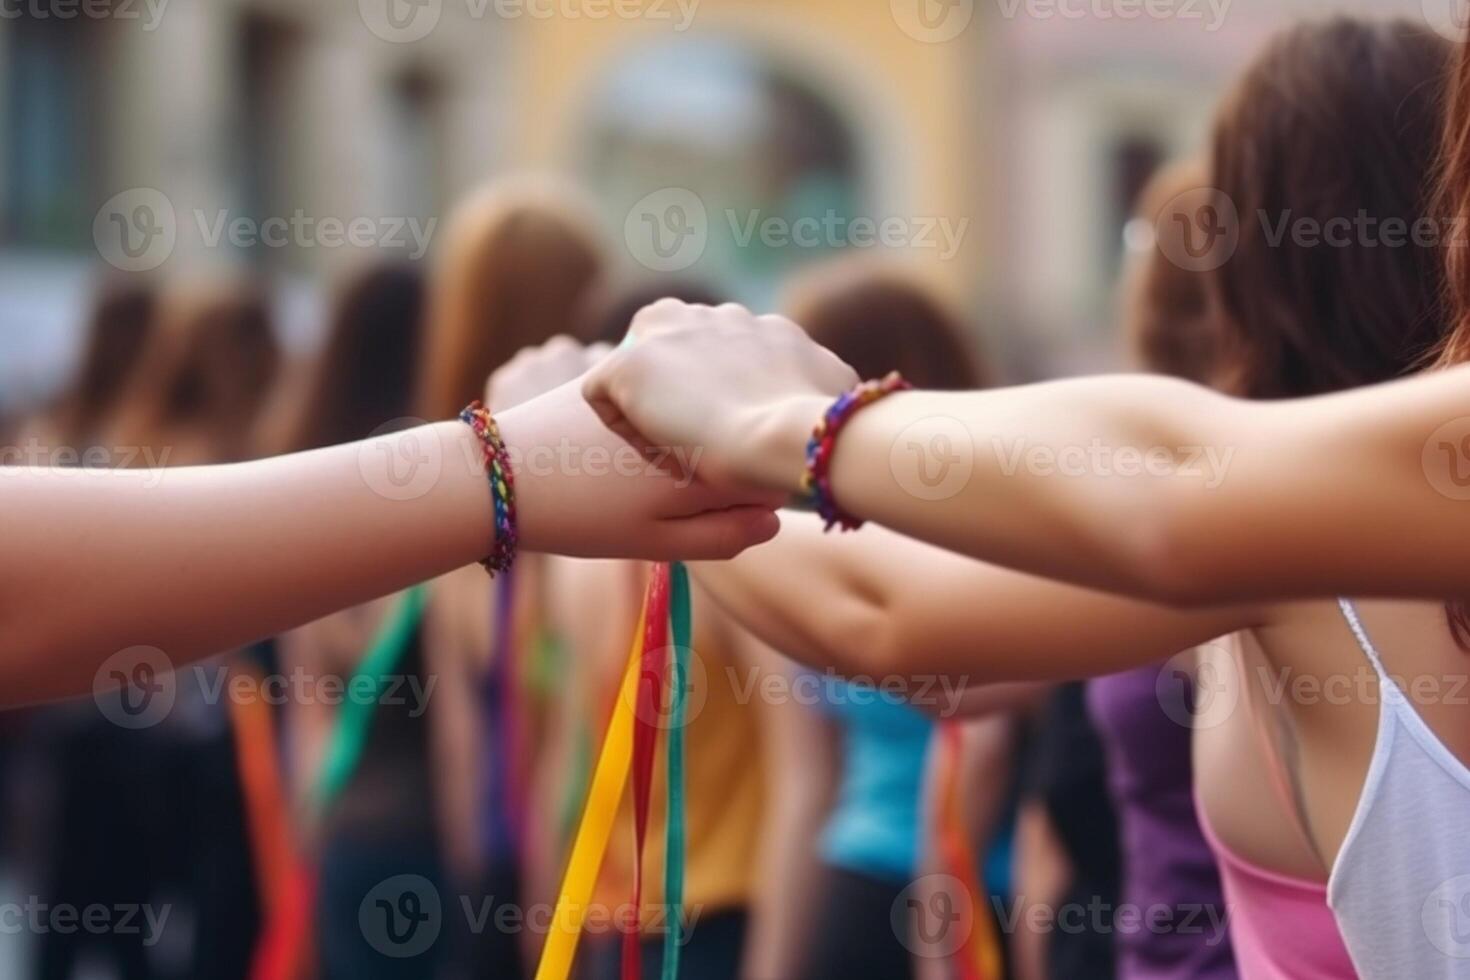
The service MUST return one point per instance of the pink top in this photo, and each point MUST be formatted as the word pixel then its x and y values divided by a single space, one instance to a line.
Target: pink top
pixel 1280 926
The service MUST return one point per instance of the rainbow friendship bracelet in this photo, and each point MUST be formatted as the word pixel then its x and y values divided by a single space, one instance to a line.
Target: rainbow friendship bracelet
pixel 502 486
pixel 816 482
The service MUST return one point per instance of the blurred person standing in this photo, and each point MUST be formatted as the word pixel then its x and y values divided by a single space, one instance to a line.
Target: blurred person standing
pixel 849 834
pixel 519 261
pixel 1167 863
pixel 98 826
pixel 195 399
pixel 590 608
pixel 361 769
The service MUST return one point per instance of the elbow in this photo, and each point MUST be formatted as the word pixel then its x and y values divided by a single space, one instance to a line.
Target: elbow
pixel 1166 562
pixel 870 643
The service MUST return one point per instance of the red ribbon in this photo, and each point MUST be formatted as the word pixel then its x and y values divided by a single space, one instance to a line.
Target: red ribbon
pixel 647 713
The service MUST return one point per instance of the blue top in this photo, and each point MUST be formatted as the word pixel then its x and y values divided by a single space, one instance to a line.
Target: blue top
pixel 874 827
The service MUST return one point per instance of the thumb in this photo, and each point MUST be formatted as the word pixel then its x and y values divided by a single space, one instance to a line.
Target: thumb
pixel 717 534
pixel 597 392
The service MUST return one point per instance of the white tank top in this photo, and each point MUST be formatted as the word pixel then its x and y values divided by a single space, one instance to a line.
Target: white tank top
pixel 1401 885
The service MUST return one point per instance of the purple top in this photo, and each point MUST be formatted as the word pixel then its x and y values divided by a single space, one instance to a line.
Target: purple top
pixel 1169 873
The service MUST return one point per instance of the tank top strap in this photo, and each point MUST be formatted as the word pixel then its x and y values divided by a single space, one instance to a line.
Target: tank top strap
pixel 1360 633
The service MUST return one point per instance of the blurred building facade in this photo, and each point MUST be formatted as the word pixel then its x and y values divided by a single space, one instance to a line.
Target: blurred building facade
pixel 1002 139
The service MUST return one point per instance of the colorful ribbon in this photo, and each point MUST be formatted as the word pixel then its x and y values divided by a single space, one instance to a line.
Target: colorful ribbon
pixel 629 749
pixel 278 869
pixel 979 957
pixel 646 719
pixel 682 616
pixel 598 815
pixel 354 721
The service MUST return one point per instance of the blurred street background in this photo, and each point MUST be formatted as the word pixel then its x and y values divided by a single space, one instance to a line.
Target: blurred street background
pixel 996 147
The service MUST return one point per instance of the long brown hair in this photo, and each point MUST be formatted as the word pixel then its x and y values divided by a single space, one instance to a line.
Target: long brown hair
pixel 364 376
pixel 116 336
pixel 515 271
pixel 1332 121
pixel 1165 305
pixel 1452 205
pixel 205 374
pixel 878 318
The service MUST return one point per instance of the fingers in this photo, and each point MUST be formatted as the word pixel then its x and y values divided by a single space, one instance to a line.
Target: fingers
pixel 597 391
pixel 536 370
pixel 717 535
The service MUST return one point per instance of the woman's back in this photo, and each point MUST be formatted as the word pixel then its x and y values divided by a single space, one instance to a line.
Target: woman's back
pixel 1283 757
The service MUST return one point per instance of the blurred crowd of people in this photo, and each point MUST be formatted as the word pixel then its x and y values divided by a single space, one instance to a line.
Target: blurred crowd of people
pixel 816 824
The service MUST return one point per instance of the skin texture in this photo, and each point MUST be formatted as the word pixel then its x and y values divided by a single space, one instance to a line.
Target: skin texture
pixel 1284 521
pixel 196 560
pixel 1157 562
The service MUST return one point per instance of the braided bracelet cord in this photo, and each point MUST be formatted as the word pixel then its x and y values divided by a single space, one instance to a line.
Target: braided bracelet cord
pixel 502 486
pixel 816 482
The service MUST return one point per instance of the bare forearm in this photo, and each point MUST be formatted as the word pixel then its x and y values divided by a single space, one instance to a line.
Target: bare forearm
pixel 1053 479
pixel 1167 491
pixel 878 604
pixel 197 560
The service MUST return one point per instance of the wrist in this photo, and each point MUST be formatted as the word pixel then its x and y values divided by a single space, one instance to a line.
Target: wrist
pixel 774 446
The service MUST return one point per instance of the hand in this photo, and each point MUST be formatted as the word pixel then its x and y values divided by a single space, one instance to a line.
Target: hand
pixel 536 370
pixel 735 393
pixel 582 490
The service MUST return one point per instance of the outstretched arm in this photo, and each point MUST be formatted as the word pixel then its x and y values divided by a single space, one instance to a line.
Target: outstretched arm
pixel 1140 485
pixel 197 560
pixel 883 606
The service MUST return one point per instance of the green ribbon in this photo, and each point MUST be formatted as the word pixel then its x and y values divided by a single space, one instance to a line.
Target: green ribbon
pixel 682 618
pixel 354 722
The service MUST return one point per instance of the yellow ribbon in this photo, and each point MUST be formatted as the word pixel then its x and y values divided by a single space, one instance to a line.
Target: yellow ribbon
pixel 598 815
